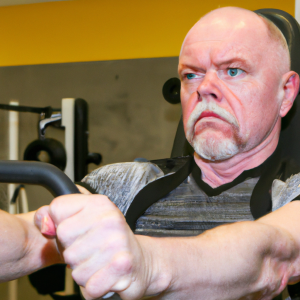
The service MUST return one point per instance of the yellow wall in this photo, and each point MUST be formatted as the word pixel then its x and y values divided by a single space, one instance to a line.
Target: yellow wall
pixel 92 30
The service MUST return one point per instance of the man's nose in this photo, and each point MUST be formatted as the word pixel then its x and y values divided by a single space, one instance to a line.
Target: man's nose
pixel 210 87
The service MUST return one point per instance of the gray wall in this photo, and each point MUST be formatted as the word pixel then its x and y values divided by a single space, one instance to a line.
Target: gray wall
pixel 128 116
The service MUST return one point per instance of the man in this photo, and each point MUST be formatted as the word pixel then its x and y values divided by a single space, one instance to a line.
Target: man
pixel 234 92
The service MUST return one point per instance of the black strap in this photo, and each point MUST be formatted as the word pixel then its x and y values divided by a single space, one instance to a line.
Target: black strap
pixel 159 188
pixel 261 200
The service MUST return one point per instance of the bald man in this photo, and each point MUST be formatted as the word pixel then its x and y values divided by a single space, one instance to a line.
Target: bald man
pixel 234 92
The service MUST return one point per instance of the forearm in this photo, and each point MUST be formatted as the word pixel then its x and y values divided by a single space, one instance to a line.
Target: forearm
pixel 230 262
pixel 23 248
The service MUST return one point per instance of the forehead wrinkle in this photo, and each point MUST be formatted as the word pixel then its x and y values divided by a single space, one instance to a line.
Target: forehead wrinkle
pixel 228 49
pixel 231 53
pixel 204 51
pixel 217 56
pixel 194 58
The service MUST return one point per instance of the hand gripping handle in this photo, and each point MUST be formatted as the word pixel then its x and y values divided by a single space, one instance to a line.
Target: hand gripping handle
pixel 39 173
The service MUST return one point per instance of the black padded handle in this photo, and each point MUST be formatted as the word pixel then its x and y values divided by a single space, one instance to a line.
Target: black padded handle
pixel 38 173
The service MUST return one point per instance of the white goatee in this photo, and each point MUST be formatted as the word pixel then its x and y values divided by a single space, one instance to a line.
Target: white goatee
pixel 211 148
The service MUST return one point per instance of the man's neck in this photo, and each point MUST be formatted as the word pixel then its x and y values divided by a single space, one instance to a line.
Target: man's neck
pixel 218 173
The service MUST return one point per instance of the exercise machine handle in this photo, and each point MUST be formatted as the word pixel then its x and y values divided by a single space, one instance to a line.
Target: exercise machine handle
pixel 37 173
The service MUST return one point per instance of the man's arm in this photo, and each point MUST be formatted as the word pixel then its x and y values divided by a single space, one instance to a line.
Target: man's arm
pixel 246 259
pixel 23 249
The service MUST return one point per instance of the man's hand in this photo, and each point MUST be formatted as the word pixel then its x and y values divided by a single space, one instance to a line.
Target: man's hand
pixel 95 240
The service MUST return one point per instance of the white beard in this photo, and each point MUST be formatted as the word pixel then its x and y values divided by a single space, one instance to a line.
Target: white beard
pixel 214 149
pixel 211 148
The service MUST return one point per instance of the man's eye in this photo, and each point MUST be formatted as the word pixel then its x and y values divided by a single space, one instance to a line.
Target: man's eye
pixel 233 72
pixel 190 76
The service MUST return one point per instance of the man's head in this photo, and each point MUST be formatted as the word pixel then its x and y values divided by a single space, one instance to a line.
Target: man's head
pixel 236 82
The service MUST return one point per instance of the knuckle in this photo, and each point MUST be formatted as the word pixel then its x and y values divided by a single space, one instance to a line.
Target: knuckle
pixel 119 220
pixel 99 200
pixel 78 277
pixel 111 220
pixel 85 293
pixel 55 206
pixel 98 204
pixel 105 198
pixel 122 263
pixel 106 202
pixel 62 233
pixel 92 289
pixel 70 257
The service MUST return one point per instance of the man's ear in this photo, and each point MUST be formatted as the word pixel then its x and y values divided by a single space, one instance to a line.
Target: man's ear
pixel 290 89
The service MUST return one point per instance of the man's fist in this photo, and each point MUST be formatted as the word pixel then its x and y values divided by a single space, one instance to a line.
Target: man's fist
pixel 95 240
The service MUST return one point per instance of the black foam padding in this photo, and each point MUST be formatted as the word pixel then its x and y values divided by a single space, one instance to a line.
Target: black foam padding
pixel 289 138
pixel 181 147
pixel 289 28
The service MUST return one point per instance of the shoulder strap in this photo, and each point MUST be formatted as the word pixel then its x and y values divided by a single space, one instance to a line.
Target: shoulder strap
pixel 176 171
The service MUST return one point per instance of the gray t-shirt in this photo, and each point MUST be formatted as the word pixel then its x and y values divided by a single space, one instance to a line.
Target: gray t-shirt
pixel 185 211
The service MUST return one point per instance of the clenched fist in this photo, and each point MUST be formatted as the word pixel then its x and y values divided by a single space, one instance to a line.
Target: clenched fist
pixel 95 240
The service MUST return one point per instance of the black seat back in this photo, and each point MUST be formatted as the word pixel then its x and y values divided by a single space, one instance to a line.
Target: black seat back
pixel 289 139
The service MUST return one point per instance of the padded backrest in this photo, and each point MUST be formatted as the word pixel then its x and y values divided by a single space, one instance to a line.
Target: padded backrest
pixel 290 135
pixel 291 122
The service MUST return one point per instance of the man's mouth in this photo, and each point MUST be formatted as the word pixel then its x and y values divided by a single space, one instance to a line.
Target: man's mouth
pixel 207 114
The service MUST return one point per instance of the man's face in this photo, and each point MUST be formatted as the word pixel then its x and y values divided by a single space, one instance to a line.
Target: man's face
pixel 229 85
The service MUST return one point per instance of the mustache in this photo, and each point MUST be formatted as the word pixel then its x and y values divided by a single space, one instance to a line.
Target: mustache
pixel 212 107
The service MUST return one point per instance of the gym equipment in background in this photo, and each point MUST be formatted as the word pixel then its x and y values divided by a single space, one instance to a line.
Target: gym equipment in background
pixel 171 90
pixel 72 158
